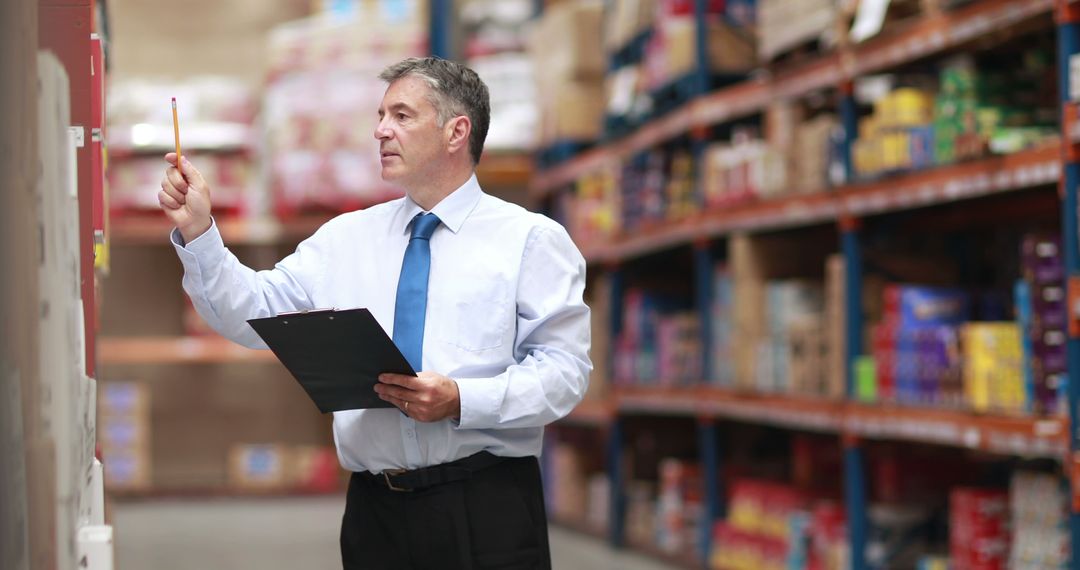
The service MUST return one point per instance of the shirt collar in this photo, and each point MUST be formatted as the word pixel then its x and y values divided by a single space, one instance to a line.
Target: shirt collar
pixel 452 210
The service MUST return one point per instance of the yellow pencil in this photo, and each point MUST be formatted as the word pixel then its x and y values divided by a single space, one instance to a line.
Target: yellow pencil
pixel 176 133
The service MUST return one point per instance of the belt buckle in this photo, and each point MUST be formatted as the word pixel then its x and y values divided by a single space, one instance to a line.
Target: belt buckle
pixel 387 473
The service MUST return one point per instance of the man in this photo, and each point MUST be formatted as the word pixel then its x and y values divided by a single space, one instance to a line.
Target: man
pixel 482 296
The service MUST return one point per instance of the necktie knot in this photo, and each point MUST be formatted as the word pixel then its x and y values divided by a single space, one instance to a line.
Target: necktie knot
pixel 424 225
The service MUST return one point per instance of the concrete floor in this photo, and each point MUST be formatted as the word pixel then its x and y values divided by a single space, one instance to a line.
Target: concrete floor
pixel 282 533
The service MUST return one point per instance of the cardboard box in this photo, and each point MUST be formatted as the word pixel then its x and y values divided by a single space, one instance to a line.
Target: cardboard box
pixel 571 111
pixel 729 49
pixel 566 42
pixel 259 467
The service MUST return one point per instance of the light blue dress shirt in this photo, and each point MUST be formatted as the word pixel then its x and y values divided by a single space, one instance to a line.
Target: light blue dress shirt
pixel 505 318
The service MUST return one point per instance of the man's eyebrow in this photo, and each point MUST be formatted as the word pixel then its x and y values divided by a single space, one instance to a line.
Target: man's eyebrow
pixel 400 106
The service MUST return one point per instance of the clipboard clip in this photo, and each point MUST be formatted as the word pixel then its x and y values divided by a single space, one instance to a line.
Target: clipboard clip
pixel 305 312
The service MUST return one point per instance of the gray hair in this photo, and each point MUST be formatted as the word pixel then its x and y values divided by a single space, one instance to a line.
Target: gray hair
pixel 456 90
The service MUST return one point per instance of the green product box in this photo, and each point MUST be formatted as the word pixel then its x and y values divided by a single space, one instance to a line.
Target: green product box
pixel 865 379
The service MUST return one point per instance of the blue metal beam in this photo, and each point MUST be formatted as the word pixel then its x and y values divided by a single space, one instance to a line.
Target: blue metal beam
pixel 701 45
pixel 849 118
pixel 703 293
pixel 617 498
pixel 1069 45
pixel 709 451
pixel 854 474
pixel 441 24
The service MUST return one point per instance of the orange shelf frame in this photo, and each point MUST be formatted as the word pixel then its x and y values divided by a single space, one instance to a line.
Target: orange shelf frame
pixel 591 412
pixel 154 229
pixel 178 350
pixel 991 175
pixel 929 35
pixel 1020 436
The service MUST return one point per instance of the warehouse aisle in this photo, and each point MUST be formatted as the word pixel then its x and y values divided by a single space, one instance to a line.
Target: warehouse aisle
pixel 280 534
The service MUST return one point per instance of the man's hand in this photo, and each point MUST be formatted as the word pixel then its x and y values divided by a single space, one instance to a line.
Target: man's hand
pixel 426 397
pixel 185 198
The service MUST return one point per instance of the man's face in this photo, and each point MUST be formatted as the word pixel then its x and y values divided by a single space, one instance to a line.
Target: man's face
pixel 411 140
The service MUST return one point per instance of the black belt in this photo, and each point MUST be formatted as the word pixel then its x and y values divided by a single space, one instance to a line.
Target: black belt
pixel 416 479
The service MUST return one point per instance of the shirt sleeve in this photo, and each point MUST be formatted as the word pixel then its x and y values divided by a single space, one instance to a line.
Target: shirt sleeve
pixel 551 347
pixel 226 293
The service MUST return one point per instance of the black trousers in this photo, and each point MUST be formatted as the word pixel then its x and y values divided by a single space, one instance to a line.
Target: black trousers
pixel 492 519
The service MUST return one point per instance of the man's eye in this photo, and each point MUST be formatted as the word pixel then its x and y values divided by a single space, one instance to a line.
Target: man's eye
pixel 401 116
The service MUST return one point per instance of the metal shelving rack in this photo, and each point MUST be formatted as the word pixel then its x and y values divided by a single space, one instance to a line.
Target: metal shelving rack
pixel 854 423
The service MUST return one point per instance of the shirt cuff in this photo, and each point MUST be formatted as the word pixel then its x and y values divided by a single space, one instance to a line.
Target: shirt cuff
pixel 208 247
pixel 479 403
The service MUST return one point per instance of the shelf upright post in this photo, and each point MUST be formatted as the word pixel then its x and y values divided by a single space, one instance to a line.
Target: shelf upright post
pixel 709 452
pixel 440 22
pixel 703 298
pixel 617 505
pixel 1068 20
pixel 849 120
pixel 615 464
pixel 854 472
pixel 701 47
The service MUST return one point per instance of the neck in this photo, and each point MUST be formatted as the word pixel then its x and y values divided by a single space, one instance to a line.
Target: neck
pixel 430 192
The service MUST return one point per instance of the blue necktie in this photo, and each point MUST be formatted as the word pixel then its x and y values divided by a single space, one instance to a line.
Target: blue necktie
pixel 411 304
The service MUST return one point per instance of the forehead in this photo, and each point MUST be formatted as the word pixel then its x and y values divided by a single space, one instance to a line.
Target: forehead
pixel 410 91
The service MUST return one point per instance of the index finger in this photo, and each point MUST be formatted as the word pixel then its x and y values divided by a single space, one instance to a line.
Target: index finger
pixel 398 380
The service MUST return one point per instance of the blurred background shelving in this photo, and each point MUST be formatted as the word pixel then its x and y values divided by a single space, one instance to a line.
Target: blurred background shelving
pixel 832 255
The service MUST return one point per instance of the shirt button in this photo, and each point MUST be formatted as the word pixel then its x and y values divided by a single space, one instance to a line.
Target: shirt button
pixel 409 433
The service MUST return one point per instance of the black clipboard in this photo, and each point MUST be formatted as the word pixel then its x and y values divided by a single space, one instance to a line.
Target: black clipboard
pixel 336 356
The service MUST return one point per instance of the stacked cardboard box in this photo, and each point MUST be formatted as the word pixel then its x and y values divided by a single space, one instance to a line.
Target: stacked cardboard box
pixel 785 24
pixel 124 434
pixel 265 467
pixel 569 65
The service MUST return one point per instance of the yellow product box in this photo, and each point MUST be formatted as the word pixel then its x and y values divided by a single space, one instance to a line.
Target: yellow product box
pixel 911 107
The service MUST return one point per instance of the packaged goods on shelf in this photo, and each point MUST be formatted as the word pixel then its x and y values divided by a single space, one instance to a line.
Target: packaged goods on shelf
pixel 512 89
pixel 791 351
pixel 132 181
pixel 721 320
pixel 641 512
pixel 124 434
pixel 933 562
pixel 1039 297
pixel 915 346
pixel 319 111
pixel 896 534
pixel 978 528
pixel 599 501
pixel 741 171
pixel 260 467
pixel 993 373
pixel 594 216
pixel 773 525
pixel 568 482
pixel 660 343
pixel 494 26
pixel 1040 532
pixel 217 134
pixel 680 508
pixel 786 24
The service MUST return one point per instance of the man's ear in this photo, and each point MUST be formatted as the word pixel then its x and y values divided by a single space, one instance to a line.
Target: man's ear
pixel 458 130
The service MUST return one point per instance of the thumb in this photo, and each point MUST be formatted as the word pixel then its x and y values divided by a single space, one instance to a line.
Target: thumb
pixel 191 174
